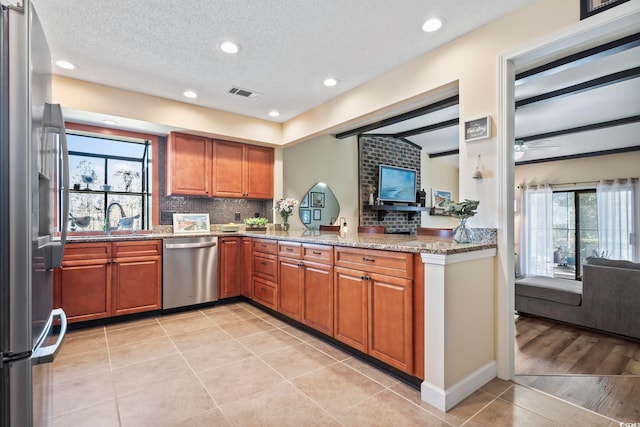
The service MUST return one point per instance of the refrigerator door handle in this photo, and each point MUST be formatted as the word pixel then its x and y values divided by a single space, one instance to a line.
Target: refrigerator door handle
pixel 53 119
pixel 46 354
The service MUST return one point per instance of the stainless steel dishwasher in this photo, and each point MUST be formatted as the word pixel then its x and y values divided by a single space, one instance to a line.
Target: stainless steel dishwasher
pixel 189 271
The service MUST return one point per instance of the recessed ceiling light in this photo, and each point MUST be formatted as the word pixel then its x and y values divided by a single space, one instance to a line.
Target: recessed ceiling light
pixel 65 64
pixel 229 47
pixel 432 24
pixel 274 113
pixel 330 82
pixel 108 122
pixel 190 94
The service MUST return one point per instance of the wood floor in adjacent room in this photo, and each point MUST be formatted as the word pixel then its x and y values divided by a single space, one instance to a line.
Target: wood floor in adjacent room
pixel 596 371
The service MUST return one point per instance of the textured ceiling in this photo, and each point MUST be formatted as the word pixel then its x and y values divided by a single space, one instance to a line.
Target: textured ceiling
pixel 287 47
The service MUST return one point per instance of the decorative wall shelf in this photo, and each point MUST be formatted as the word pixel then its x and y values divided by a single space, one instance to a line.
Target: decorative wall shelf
pixel 383 209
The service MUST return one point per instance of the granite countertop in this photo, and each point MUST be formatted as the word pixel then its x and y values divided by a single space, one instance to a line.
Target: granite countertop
pixel 486 239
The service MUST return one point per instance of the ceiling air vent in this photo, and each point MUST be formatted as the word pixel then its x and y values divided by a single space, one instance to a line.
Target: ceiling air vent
pixel 243 93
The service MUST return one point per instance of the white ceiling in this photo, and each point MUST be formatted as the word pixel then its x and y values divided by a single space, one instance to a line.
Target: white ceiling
pixel 287 47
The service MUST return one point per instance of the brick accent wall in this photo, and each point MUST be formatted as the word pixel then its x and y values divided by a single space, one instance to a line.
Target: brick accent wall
pixel 220 211
pixel 376 150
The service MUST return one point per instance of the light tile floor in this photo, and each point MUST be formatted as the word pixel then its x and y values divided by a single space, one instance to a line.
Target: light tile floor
pixel 235 365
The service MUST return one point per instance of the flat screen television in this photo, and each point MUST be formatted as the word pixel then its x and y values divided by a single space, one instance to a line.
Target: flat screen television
pixel 397 184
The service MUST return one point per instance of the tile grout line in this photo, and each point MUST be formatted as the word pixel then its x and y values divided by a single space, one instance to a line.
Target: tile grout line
pixel 113 383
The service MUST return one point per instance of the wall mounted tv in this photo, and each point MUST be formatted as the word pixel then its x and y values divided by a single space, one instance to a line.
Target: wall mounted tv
pixel 397 184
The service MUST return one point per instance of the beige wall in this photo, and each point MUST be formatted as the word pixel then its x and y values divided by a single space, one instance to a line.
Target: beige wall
pixel 324 159
pixel 440 174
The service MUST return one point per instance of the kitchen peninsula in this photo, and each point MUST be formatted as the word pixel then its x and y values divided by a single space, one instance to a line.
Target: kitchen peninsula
pixel 423 306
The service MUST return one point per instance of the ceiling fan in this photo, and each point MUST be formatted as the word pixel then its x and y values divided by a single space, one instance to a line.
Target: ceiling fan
pixel 522 146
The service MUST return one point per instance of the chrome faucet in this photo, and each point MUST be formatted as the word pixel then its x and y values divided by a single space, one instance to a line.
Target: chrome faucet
pixel 107 227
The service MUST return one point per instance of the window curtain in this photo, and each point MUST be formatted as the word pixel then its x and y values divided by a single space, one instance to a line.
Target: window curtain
pixel 618 218
pixel 536 232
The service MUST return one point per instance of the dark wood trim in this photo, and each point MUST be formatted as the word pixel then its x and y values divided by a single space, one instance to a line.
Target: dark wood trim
pixel 579 58
pixel 585 128
pixel 436 106
pixel 444 154
pixel 429 128
pixel 596 83
pixel 581 155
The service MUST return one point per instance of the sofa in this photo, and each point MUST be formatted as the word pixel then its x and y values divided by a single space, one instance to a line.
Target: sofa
pixel 607 299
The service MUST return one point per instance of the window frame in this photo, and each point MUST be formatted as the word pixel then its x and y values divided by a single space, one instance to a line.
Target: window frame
pixel 154 209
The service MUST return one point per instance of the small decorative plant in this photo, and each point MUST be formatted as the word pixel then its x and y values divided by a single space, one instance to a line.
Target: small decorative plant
pixel 256 222
pixel 465 209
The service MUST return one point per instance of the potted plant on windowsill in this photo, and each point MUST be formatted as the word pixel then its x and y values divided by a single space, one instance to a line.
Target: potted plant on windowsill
pixel 128 176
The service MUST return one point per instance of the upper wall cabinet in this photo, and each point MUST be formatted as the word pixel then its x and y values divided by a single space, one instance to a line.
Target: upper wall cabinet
pixel 189 165
pixel 242 170
pixel 200 166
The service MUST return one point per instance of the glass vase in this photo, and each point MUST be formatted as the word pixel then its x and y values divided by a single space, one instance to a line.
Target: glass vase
pixel 462 234
pixel 285 222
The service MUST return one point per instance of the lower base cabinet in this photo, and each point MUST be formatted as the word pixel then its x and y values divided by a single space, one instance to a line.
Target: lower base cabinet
pixel 374 314
pixel 99 280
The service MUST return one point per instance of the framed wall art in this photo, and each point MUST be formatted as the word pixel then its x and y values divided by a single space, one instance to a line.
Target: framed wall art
pixel 317 214
pixel 477 129
pixel 317 200
pixel 305 216
pixel 191 223
pixel 591 7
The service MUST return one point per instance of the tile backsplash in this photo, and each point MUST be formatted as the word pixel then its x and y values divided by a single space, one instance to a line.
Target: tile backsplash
pixel 220 211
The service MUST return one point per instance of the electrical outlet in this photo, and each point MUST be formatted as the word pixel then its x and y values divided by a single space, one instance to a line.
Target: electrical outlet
pixel 236 216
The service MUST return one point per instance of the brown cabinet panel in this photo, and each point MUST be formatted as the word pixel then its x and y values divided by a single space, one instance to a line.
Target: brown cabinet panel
pixel 317 310
pixel 229 267
pixel 397 264
pixel 418 317
pixel 351 301
pixel 290 288
pixel 265 293
pixel 94 284
pixel 318 253
pixel 265 266
pixel 391 320
pixel 137 285
pixel 246 276
pixel 290 249
pixel 84 291
pixel 228 170
pixel 265 246
pixel 136 248
pixel 258 181
pixel 189 160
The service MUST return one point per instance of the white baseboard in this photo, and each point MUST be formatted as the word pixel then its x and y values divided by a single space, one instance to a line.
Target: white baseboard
pixel 447 399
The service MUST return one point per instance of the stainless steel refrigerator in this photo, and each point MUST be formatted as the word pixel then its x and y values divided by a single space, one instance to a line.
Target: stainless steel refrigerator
pixel 33 180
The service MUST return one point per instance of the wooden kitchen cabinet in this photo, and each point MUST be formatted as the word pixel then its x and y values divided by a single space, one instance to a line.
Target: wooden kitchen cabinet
pixel 351 302
pixel 230 252
pixel 82 286
pixel 246 271
pixel 290 287
pixel 242 171
pixel 317 308
pixel 136 276
pixel 99 280
pixel 265 272
pixel 374 311
pixel 189 164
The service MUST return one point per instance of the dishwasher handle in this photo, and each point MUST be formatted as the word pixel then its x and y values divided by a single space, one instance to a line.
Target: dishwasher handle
pixel 189 245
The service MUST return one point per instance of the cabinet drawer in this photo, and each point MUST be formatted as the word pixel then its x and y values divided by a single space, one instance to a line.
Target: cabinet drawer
pixel 265 266
pixel 265 293
pixel 397 264
pixel 86 253
pixel 137 248
pixel 290 250
pixel 318 253
pixel 265 246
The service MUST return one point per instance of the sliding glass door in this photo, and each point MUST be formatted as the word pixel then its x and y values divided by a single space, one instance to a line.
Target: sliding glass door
pixel 575 231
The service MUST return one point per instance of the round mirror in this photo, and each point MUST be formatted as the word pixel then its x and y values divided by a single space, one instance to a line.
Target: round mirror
pixel 319 207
